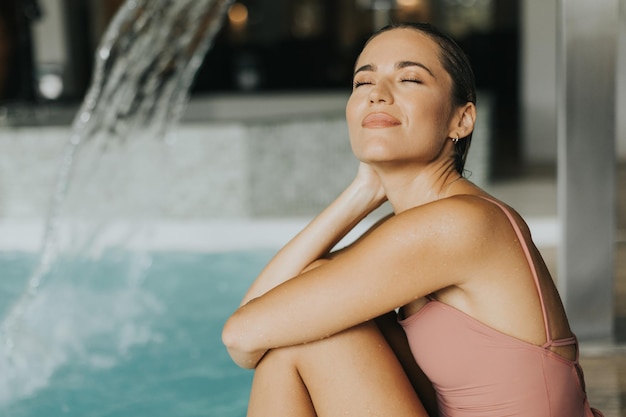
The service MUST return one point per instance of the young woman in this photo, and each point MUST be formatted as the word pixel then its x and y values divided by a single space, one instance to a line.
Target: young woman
pixel 451 282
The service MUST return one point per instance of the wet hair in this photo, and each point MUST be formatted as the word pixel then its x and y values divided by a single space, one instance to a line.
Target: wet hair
pixel 457 65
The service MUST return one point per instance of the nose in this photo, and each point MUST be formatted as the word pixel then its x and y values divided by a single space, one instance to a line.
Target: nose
pixel 380 93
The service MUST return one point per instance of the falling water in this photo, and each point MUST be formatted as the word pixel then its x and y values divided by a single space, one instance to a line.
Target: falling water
pixel 144 66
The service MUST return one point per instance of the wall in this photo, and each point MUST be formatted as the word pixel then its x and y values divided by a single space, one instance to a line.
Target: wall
pixel 236 165
pixel 621 84
pixel 539 81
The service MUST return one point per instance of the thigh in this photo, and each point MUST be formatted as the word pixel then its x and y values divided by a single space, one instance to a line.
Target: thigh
pixel 356 373
pixel 278 389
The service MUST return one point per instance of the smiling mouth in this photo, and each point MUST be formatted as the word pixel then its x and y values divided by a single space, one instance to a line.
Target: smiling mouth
pixel 379 120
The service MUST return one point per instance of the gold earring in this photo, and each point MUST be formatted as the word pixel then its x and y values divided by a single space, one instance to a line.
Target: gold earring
pixel 455 139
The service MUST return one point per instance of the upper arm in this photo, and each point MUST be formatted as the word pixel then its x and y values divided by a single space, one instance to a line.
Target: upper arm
pixel 405 258
pixel 376 225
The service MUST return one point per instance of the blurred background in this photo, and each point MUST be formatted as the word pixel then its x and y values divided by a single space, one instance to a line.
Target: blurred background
pixel 301 46
pixel 277 65
pixel 276 79
pixel 263 136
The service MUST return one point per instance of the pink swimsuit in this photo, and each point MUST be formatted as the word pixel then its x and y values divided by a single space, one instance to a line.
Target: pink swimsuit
pixel 478 371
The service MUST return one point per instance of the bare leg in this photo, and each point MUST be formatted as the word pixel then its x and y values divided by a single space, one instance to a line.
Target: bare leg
pixel 354 373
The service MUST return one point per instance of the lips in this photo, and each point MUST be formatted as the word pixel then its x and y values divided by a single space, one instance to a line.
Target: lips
pixel 379 121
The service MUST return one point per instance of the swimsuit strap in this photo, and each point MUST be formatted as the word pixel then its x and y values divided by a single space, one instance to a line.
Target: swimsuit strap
pixel 566 341
pixel 520 236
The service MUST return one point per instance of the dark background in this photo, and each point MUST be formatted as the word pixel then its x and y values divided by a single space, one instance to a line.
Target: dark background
pixel 285 46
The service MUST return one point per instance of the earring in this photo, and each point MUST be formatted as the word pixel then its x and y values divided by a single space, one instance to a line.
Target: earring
pixel 455 139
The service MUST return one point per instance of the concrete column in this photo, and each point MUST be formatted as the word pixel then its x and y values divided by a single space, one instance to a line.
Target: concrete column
pixel 586 81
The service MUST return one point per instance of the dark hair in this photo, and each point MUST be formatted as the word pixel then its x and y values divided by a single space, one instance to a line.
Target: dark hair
pixel 456 63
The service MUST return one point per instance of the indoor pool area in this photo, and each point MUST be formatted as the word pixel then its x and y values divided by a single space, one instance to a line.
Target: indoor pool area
pixel 116 307
pixel 101 346
pixel 155 155
pixel 130 325
pixel 137 333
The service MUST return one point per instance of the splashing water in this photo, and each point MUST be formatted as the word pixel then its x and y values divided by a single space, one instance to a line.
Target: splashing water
pixel 144 67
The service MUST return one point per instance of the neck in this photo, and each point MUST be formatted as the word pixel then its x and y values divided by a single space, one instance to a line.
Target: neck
pixel 408 188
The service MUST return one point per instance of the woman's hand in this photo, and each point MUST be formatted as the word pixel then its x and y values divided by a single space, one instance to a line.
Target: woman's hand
pixel 367 180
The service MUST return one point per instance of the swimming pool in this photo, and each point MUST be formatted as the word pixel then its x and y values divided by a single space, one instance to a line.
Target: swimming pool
pixel 104 344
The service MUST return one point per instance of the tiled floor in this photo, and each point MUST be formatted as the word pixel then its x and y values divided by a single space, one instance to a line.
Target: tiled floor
pixel 604 364
pixel 605 374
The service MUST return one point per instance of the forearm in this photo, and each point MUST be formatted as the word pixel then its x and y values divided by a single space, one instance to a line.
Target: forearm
pixel 316 239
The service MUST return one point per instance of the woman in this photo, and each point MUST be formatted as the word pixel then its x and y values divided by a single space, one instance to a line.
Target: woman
pixel 480 313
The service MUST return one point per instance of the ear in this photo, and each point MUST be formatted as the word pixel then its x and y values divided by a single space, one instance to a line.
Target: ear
pixel 463 120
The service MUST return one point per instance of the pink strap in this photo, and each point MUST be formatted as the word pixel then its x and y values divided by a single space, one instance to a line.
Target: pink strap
pixel 520 236
pixel 564 342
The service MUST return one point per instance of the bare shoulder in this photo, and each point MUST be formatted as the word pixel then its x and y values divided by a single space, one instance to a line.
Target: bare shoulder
pixel 468 226
pixel 458 217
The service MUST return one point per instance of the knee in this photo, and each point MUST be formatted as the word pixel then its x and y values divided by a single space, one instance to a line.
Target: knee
pixel 285 358
pixel 365 337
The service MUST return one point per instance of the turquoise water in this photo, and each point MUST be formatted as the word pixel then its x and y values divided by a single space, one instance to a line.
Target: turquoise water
pixel 98 343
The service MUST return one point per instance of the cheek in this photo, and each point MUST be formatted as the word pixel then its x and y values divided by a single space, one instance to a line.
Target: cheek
pixel 352 108
pixel 353 118
pixel 433 117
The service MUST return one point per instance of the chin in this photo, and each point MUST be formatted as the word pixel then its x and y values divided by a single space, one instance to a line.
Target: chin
pixel 373 151
pixel 374 157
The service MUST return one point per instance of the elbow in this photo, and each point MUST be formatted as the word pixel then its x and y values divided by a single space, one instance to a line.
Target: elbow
pixel 239 345
pixel 237 333
pixel 233 335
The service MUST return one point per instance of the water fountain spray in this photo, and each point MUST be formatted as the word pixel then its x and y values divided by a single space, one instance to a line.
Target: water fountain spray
pixel 144 66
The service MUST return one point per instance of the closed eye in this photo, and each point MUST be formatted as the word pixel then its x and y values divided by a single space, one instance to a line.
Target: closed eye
pixel 412 80
pixel 357 84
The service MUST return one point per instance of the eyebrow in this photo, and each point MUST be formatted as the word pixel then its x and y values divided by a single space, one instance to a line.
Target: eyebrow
pixel 399 65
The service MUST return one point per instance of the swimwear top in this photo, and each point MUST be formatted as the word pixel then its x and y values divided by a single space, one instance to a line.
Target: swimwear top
pixel 478 371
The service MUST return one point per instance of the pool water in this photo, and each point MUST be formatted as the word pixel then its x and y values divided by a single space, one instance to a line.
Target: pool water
pixel 95 342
